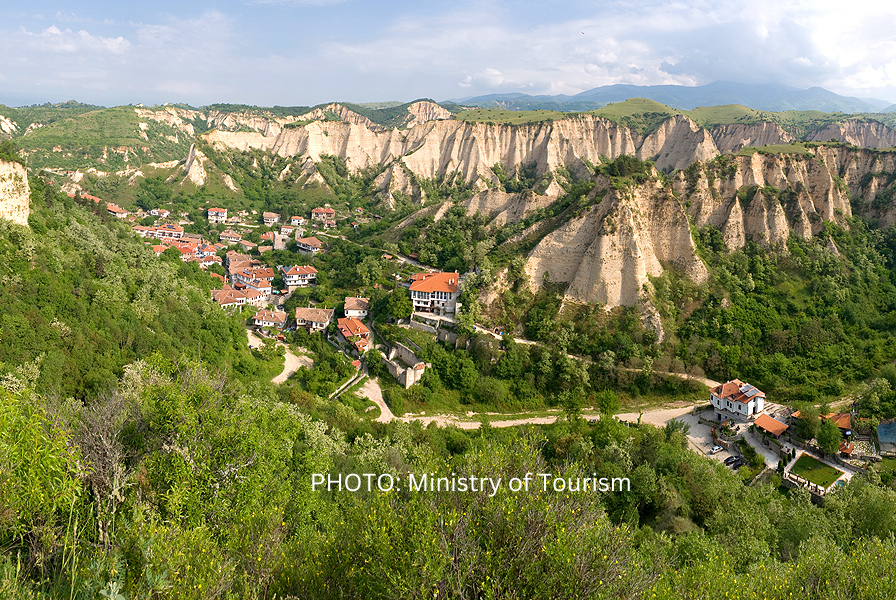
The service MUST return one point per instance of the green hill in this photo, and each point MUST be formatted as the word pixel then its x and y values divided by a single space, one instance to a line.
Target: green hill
pixel 644 116
pixel 111 137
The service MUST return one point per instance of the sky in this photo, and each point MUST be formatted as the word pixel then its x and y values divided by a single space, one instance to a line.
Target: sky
pixel 306 52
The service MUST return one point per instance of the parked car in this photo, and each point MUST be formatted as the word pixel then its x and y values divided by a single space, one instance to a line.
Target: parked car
pixel 715 449
pixel 738 463
pixel 730 460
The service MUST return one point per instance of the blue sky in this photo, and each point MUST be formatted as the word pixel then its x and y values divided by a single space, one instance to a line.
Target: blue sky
pixel 304 52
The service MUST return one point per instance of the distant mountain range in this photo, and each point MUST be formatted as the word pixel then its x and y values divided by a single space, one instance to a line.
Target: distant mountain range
pixel 769 96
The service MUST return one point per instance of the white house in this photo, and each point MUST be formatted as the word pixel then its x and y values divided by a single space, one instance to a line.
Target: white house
pixel 299 275
pixel 356 307
pixel 737 397
pixel 310 245
pixel 435 292
pixel 270 218
pixel 270 318
pixel 315 319
pixel 217 215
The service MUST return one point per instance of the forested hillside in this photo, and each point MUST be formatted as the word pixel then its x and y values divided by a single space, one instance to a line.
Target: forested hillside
pixel 82 298
pixel 175 486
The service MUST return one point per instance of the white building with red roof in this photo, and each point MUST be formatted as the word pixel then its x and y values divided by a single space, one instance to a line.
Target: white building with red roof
pixel 270 218
pixel 299 275
pixel 254 273
pixel 737 397
pixel 116 211
pixel 217 215
pixel 230 236
pixel 228 297
pixel 435 292
pixel 169 231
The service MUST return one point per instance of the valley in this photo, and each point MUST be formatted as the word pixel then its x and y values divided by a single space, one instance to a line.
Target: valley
pixel 206 307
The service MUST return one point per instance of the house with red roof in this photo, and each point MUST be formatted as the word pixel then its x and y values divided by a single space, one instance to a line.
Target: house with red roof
pixel 116 211
pixel 737 398
pixel 435 292
pixel 322 213
pixel 169 231
pixel 299 275
pixel 354 332
pixel 270 218
pixel 217 215
pixel 230 236
pixel 228 297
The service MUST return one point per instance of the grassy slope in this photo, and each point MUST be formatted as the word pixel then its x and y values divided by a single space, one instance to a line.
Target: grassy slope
pixel 89 138
pixel 509 117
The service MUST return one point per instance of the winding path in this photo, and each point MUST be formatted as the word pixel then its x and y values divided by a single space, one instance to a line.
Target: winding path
pixel 291 362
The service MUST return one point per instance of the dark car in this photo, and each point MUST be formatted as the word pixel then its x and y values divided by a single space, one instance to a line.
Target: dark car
pixel 730 460
pixel 738 463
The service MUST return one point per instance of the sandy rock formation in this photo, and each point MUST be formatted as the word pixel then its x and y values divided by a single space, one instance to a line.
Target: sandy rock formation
pixel 14 193
pixel 194 167
pixel 677 143
pixel 347 116
pixel 864 134
pixel 731 138
pixel 8 126
pixel 424 111
pixel 501 208
pixel 608 254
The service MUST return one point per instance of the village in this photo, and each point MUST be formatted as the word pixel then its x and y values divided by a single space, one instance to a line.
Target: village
pixel 738 426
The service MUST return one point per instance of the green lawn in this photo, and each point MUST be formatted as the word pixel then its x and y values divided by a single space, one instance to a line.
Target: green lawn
pixel 815 471
pixel 887 465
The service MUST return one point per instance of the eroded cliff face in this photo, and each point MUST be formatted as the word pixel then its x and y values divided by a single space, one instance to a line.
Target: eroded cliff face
pixel 608 253
pixel 347 116
pixel 14 192
pixel 764 198
pixel 424 111
pixel 732 138
pixel 436 149
pixel 864 134
pixel 501 208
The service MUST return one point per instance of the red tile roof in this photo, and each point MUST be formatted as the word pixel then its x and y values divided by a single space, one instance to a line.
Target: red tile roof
pixel 773 426
pixel 311 241
pixel 299 270
pixel 435 282
pixel 734 390
pixel 842 420
pixel 350 326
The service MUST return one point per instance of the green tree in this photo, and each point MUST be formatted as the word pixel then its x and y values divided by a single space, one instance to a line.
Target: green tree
pixel 828 436
pixel 400 305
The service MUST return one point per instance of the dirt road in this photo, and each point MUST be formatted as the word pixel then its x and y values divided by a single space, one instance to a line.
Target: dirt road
pixel 291 362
